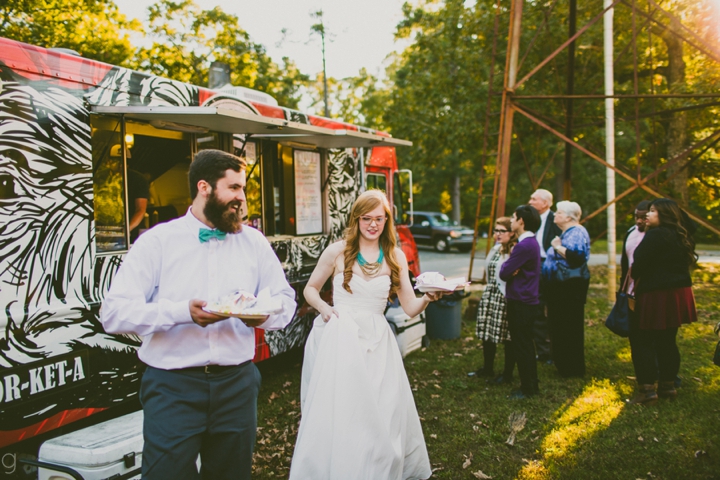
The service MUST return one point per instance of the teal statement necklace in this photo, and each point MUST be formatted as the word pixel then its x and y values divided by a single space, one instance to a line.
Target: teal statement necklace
pixel 370 269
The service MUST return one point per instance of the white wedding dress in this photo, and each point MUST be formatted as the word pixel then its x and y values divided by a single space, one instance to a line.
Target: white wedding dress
pixel 359 419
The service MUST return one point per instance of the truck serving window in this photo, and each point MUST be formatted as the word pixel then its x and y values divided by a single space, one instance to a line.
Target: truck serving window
pixel 144 168
pixel 108 185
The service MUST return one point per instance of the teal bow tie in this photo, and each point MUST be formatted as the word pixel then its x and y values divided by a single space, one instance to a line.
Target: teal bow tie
pixel 206 234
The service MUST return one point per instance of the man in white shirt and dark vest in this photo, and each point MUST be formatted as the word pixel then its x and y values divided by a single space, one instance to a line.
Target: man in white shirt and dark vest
pixel 199 391
pixel 542 200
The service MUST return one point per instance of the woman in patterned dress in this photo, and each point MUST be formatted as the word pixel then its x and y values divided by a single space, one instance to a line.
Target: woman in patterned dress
pixel 492 327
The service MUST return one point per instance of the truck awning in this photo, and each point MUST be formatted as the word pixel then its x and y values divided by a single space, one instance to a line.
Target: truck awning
pixel 340 139
pixel 219 119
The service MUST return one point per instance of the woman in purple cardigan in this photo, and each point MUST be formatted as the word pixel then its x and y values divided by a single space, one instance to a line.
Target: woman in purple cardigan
pixel 521 271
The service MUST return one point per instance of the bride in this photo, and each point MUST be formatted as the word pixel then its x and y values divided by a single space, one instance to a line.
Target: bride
pixel 359 419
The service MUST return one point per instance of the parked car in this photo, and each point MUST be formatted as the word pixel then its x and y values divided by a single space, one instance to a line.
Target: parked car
pixel 436 229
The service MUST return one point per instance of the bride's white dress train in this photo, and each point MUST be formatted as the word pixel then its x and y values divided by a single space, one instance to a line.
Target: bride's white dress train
pixel 359 419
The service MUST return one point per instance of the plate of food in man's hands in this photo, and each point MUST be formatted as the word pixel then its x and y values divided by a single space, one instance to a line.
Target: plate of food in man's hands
pixel 245 306
pixel 431 282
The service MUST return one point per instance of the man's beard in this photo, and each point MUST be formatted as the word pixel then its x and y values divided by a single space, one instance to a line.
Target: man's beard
pixel 222 216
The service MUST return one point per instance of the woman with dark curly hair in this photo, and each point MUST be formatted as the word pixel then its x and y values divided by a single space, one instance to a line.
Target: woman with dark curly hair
pixel 665 300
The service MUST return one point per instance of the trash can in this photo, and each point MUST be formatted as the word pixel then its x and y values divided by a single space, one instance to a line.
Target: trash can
pixel 444 317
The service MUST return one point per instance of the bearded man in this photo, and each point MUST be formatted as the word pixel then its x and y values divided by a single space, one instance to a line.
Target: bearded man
pixel 199 392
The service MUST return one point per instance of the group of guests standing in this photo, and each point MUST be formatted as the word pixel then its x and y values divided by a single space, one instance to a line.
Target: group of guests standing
pixel 537 284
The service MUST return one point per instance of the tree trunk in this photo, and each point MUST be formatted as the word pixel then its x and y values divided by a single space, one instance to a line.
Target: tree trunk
pixel 677 121
pixel 455 196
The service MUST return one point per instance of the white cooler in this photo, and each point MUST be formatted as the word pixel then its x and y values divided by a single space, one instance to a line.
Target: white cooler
pixel 409 332
pixel 97 452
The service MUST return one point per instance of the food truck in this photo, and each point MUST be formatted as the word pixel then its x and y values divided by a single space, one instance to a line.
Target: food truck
pixel 73 132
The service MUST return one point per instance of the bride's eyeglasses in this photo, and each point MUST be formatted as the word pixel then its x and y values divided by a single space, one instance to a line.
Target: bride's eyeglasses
pixel 369 220
pixel 497 230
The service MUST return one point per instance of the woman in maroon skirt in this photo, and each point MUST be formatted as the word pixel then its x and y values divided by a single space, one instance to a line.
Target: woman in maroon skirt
pixel 665 300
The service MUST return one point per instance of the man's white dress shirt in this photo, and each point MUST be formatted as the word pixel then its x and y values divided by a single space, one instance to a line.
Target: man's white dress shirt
pixel 541 232
pixel 166 268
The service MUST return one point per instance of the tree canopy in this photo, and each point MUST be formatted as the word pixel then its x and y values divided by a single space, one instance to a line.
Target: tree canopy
pixel 94 29
pixel 439 91
pixel 187 39
pixel 436 91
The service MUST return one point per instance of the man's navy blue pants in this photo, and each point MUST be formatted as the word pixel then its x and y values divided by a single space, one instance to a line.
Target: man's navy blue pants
pixel 189 412
pixel 521 318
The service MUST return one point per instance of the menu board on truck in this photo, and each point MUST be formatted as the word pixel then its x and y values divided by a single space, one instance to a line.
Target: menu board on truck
pixel 308 193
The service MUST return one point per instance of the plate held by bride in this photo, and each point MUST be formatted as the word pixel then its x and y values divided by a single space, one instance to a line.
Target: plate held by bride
pixel 436 282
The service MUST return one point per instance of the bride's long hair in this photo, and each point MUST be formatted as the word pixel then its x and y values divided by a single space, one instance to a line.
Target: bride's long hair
pixel 366 203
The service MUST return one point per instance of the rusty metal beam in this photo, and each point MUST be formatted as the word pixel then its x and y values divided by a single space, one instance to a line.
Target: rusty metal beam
pixel 575 144
pixel 506 125
pixel 697 219
pixel 654 113
pixel 565 44
pixel 614 200
pixel 706 144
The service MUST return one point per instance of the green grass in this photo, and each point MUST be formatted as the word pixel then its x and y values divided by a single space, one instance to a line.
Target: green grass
pixel 576 429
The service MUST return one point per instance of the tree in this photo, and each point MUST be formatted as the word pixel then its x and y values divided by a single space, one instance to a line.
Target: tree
pixel 438 99
pixel 94 29
pixel 440 86
pixel 360 100
pixel 319 29
pixel 187 39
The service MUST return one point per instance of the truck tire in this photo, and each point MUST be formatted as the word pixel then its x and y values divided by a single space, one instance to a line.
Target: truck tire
pixel 441 244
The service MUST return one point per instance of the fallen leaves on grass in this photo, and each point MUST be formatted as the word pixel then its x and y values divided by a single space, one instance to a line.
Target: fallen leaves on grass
pixel 700 454
pixel 468 461
pixel 516 421
pixel 479 474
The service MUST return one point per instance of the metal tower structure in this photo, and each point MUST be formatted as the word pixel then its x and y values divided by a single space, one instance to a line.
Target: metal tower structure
pixel 649 17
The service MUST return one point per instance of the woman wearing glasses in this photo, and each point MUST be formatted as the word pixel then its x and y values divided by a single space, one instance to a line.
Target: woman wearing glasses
pixel 492 326
pixel 359 419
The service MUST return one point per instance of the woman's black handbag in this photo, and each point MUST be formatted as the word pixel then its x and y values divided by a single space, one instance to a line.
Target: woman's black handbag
pixel 619 319
pixel 565 273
